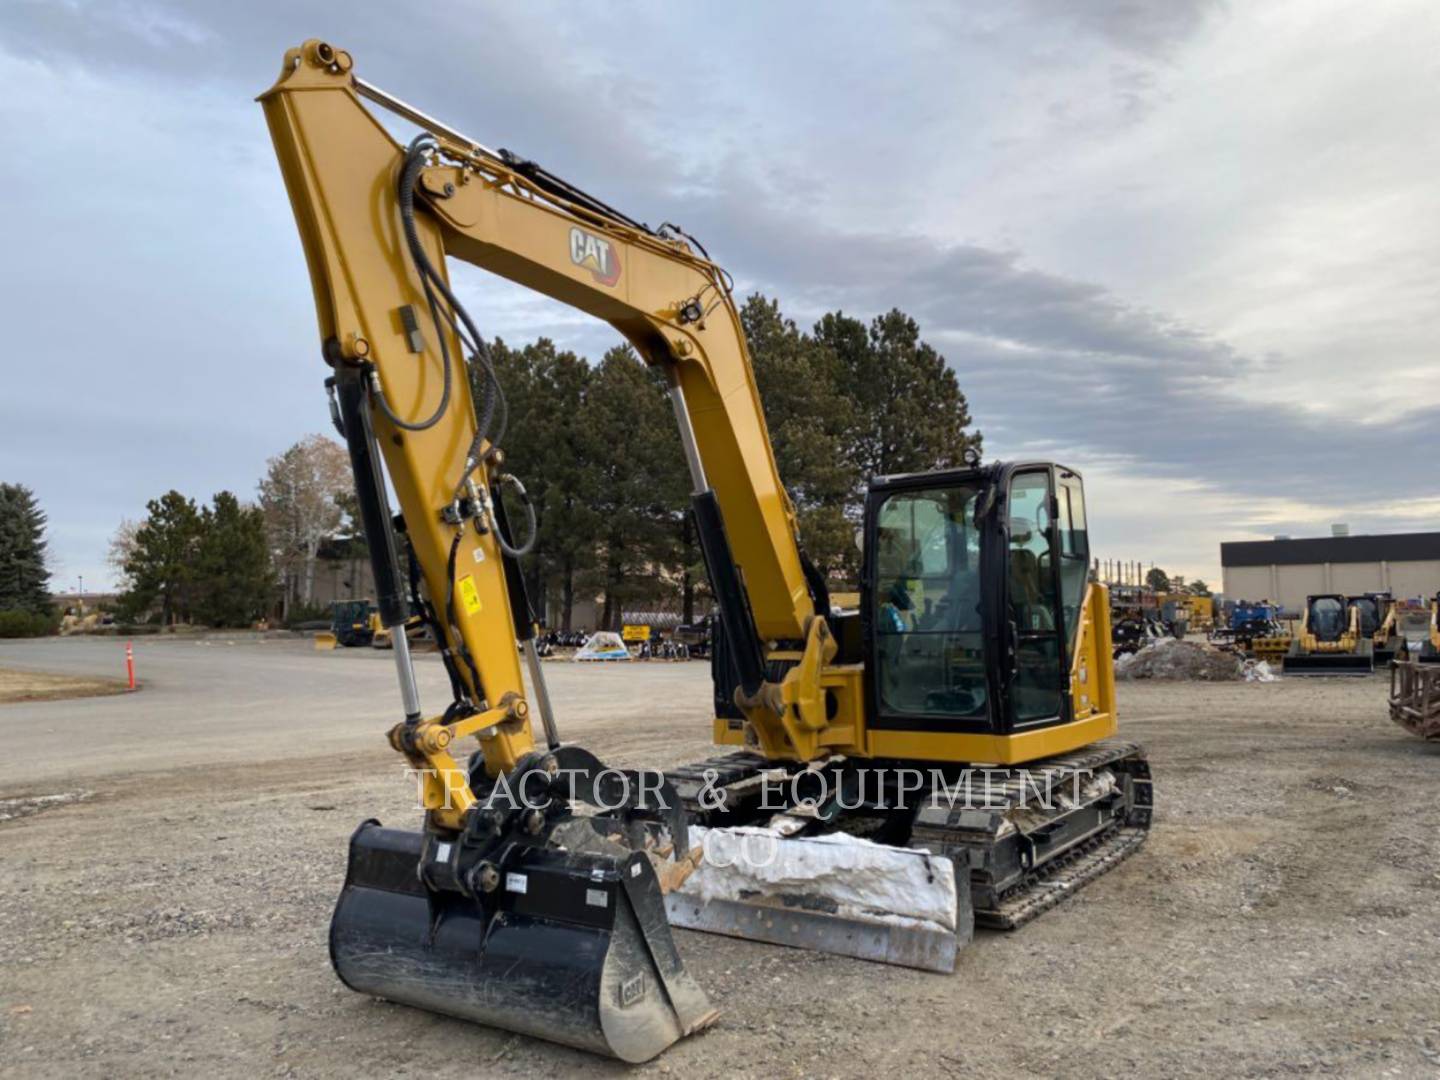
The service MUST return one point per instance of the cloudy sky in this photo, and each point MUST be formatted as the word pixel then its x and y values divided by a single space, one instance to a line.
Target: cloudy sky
pixel 1186 246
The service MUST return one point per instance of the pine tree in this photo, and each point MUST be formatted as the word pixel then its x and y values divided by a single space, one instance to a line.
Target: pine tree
pixel 809 415
pixel 637 482
pixel 232 564
pixel 24 576
pixel 910 415
pixel 161 564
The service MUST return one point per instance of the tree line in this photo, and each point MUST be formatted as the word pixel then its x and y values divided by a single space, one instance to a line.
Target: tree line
pixel 228 563
pixel 597 446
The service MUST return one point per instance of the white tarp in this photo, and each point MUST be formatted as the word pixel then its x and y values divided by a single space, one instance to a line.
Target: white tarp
pixel 864 880
pixel 603 645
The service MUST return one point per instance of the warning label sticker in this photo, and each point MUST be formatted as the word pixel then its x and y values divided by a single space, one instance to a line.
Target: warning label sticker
pixel 469 595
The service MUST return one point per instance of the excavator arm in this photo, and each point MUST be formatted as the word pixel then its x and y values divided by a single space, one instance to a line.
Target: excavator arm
pixel 398 371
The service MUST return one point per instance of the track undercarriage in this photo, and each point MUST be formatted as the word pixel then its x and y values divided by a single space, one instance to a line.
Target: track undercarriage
pixel 1021 839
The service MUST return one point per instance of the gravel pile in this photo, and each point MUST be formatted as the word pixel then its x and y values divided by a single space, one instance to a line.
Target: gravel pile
pixel 1171 658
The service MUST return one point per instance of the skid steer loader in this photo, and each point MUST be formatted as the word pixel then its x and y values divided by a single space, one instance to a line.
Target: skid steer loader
pixel 1329 641
pixel 1378 623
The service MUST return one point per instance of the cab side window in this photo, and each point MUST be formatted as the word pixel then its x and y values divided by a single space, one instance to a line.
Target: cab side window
pixel 1074 552
pixel 1036 689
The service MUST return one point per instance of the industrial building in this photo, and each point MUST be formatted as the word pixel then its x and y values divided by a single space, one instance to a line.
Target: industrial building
pixel 1286 570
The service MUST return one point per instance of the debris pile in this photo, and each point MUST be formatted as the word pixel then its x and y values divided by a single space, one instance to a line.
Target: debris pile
pixel 1258 671
pixel 1171 658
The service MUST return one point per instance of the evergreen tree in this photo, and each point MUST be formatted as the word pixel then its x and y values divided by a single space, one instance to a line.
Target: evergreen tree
pixel 809 416
pixel 1157 579
pixel 232 564
pixel 160 567
pixel 636 480
pixel 598 450
pixel 546 447
pixel 909 412
pixel 24 576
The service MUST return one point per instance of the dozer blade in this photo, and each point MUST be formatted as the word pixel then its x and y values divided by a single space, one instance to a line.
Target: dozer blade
pixel 570 947
pixel 326 640
pixel 1328 664
pixel 834 893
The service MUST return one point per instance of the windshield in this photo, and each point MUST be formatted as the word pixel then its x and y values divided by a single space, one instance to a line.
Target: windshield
pixel 926 606
pixel 1327 618
pixel 1369 614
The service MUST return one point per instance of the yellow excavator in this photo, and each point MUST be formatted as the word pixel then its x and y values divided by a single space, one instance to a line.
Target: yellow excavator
pixel 539 892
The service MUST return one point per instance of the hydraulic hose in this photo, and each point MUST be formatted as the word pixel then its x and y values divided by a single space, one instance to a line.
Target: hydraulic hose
pixel 414 159
pixel 532 531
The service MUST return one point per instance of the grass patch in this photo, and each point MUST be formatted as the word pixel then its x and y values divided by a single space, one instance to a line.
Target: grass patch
pixel 44 686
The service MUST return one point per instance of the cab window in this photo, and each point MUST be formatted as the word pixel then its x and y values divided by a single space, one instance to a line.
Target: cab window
pixel 926 604
pixel 1036 688
pixel 1074 552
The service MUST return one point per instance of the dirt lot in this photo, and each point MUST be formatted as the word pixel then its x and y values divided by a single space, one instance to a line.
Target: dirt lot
pixel 168 917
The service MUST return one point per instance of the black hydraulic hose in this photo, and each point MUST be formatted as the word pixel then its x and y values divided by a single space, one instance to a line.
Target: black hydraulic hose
pixel 408 175
pixel 427 612
pixel 532 530
pixel 453 312
pixel 460 646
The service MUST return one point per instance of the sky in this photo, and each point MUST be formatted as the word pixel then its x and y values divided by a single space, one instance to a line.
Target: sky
pixel 1184 246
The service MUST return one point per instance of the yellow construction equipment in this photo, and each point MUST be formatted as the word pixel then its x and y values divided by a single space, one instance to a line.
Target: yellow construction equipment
pixel 352 622
pixel 1329 641
pixel 1378 621
pixel 1202 612
pixel 979 646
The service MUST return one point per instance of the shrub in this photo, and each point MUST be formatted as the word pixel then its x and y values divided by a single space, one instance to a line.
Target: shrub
pixel 17 624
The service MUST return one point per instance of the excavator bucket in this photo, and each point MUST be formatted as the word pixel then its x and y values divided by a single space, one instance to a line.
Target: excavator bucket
pixel 571 946
pixel 325 640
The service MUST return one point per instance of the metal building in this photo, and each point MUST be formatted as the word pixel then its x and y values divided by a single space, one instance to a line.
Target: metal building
pixel 1286 571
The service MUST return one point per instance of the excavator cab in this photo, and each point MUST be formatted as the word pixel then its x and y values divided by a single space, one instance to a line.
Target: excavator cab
pixel 974 584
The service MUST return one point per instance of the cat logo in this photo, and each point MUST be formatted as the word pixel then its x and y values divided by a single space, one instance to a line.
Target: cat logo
pixel 595 254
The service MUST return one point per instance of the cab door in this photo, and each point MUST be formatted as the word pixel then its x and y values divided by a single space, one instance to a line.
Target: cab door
pixel 1034 614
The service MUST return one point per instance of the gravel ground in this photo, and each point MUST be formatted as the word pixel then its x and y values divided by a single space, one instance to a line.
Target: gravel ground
pixel 167 915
